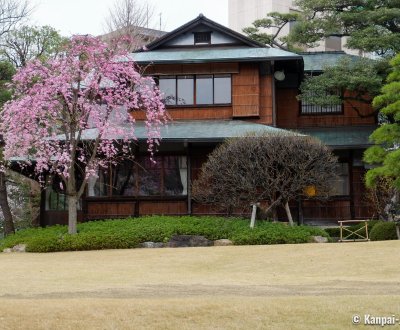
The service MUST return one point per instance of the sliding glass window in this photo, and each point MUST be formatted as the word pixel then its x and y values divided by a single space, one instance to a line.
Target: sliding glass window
pixel 167 176
pixel 222 89
pixel 185 90
pixel 204 90
pixel 196 89
pixel 167 85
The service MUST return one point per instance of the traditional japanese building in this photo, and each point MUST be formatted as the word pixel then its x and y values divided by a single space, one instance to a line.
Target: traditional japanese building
pixel 219 84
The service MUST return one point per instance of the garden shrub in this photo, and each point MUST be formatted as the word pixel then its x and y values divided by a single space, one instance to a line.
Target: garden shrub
pixel 129 233
pixel 384 230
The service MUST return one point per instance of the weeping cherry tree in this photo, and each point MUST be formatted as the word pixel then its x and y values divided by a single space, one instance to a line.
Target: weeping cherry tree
pixel 87 88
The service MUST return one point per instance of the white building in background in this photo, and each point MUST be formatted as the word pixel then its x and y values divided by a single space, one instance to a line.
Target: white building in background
pixel 242 13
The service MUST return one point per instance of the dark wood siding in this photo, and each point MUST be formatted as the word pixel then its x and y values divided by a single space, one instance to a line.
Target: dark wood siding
pixel 163 207
pixel 108 209
pixel 193 113
pixel 51 218
pixel 332 210
pixel 288 113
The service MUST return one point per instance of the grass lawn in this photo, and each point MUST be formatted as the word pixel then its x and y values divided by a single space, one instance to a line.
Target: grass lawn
pixel 302 286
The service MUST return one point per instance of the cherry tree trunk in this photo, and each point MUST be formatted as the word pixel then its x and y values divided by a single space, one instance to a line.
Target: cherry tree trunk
pixel 5 207
pixel 72 203
pixel 72 214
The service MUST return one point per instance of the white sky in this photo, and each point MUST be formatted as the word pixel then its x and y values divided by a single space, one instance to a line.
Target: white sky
pixel 87 16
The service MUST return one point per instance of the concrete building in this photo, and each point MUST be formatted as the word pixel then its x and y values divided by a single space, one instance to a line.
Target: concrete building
pixel 242 13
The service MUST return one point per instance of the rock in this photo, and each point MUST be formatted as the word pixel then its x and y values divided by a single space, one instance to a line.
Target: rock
pixel 188 241
pixel 318 239
pixel 16 248
pixel 223 242
pixel 19 248
pixel 151 245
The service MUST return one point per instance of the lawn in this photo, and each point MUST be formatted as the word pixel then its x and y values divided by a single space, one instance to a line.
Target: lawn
pixel 302 286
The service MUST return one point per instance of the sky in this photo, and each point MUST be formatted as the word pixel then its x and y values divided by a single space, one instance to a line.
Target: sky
pixel 87 16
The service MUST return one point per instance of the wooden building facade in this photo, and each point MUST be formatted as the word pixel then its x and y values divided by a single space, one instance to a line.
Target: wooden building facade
pixel 219 84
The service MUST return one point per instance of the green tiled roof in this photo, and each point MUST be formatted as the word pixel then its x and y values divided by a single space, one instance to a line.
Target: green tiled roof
pixel 342 137
pixel 198 130
pixel 319 60
pixel 240 54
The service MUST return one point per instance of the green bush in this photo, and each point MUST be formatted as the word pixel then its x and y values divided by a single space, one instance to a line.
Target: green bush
pixel 129 233
pixel 276 233
pixel 383 231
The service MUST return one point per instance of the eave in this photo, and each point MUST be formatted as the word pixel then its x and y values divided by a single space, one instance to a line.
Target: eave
pixel 213 55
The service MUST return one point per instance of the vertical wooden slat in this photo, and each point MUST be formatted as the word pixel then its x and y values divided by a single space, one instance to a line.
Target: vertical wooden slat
pixel 246 91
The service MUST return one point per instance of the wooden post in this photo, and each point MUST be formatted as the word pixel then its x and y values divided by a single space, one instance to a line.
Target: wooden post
pixel 253 216
pixel 300 219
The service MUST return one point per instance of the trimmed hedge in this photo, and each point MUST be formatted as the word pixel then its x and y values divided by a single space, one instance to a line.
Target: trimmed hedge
pixel 383 231
pixel 129 233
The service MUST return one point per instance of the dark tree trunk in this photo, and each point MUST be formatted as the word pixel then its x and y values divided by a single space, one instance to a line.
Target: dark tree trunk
pixel 5 207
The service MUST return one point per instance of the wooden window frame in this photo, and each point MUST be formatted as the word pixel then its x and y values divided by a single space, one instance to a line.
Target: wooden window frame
pixel 136 167
pixel 195 104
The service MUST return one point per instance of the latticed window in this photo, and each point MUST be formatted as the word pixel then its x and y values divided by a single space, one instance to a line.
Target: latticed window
pixel 202 38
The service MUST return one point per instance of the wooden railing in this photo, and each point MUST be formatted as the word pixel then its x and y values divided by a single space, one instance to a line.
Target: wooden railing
pixel 360 234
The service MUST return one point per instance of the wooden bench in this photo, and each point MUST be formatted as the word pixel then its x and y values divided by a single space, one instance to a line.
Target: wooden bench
pixel 361 233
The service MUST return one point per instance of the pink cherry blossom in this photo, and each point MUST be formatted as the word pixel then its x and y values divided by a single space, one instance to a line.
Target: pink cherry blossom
pixel 89 87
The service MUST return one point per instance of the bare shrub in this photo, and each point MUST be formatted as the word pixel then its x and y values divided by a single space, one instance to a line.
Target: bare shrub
pixel 274 168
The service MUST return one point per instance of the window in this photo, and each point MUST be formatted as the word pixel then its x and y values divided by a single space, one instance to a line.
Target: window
pixel 185 90
pixel 167 85
pixel 196 89
pixel 166 177
pixel 175 175
pixel 341 187
pixel 308 108
pixel 222 89
pixel 202 38
pixel 99 186
pixel 150 177
pixel 313 109
pixel 124 179
pixel 56 199
pixel 204 90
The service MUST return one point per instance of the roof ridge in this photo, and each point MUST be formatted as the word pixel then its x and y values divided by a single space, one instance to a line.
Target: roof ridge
pixel 203 19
